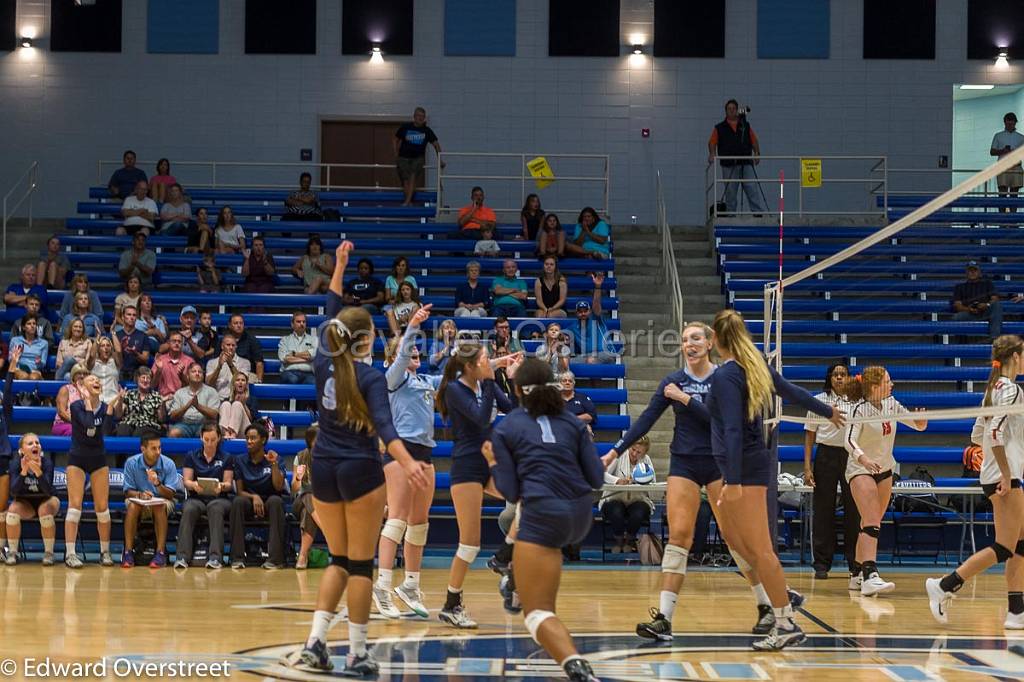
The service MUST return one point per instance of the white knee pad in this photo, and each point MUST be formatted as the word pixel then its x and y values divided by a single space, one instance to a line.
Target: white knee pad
pixel 74 515
pixel 534 619
pixel 46 521
pixel 394 530
pixel 467 553
pixel 741 563
pixel 674 560
pixel 416 534
pixel 103 516
pixel 13 519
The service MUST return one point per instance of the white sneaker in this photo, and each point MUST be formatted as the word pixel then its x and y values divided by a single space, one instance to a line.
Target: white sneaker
pixel 181 563
pixel 47 558
pixel 855 582
pixel 457 617
pixel 938 599
pixel 413 598
pixel 875 585
pixel 1014 621
pixel 383 603
pixel 11 559
pixel 779 638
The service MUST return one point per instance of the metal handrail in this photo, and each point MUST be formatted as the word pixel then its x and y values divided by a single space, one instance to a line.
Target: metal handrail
pixel 669 270
pixel 32 174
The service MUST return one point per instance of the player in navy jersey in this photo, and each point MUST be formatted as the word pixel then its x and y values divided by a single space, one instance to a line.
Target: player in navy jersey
pixel 88 457
pixel 33 496
pixel 5 443
pixel 742 388
pixel 467 397
pixel 543 457
pixel 348 476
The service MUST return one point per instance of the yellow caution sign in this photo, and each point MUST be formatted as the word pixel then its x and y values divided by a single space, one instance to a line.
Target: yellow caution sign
pixel 541 171
pixel 810 172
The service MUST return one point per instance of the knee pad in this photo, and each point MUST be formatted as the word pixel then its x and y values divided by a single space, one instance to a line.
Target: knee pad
pixel 13 519
pixel 534 619
pixel 741 563
pixel 467 552
pixel 394 530
pixel 103 516
pixel 340 561
pixel 416 534
pixel 74 515
pixel 674 560
pixel 46 521
pixel 1002 553
pixel 1019 551
pixel 362 568
pixel 871 531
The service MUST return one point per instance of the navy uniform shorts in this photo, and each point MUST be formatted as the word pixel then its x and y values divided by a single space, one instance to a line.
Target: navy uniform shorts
pixel 555 522
pixel 344 480
pixel 470 469
pixel 701 469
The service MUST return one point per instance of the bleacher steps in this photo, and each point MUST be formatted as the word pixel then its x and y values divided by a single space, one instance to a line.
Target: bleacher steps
pixel 24 245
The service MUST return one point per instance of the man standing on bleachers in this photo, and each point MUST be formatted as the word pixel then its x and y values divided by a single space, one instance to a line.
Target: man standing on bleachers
pixel 410 143
pixel 977 299
pixel 735 137
pixel 1005 141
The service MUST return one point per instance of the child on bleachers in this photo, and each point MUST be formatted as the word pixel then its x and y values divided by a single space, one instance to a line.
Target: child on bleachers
pixel 207 275
pixel 406 303
pixel 487 246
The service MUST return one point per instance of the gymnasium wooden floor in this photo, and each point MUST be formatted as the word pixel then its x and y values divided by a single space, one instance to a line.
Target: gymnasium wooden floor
pixel 249 618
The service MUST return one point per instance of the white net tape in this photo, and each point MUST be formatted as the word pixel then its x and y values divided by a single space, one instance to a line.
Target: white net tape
pixel 930 415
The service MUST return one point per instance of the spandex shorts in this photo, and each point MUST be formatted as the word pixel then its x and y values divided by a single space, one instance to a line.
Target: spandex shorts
pixel 757 469
pixel 88 463
pixel 701 469
pixel 990 488
pixel 344 480
pixel 35 502
pixel 470 469
pixel 555 522
pixel 419 452
pixel 878 478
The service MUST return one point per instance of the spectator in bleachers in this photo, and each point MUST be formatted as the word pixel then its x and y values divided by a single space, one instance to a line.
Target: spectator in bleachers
pixel 221 369
pixel 580 405
pixel 471 297
pixel 209 462
pixel 260 484
pixel 209 332
pixel 259 269
pixel 149 475
pixel 176 213
pixel 588 331
pixel 75 348
pixel 503 341
pixel 161 183
pixel 976 298
pixel 399 274
pixel 33 495
pixel 207 274
pixel 302 497
pixel 627 511
pixel 551 238
pixel 192 405
pixel 303 203
pixel 407 303
pixel 105 364
pixel 196 343
pixel 138 261
pixel 123 181
pixel 130 296
pixel 92 324
pixel 486 246
pixel 54 266
pixel 1005 141
pixel 248 346
pixel 170 369
pixel 314 268
pixel 592 237
pixel 200 234
pixel 14 297
pixel 151 324
pixel 365 290
pixel 229 235
pixel 551 290
pixel 509 292
pixel 68 393
pixel 410 145
pixel 474 216
pixel 138 211
pixel 80 282
pixel 531 217
pixel 141 410
pixel 240 409
pixel 32 307
pixel 735 137
pixel 555 351
pixel 443 346
pixel 34 350
pixel 296 352
pixel 131 344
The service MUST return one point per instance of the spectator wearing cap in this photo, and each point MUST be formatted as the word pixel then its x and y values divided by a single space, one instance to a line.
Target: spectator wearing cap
pixel 976 299
pixel 1005 141
pixel 296 351
pixel 138 261
pixel 196 343
pixel 509 292
pixel 588 332
pixel 472 297
pixel 14 297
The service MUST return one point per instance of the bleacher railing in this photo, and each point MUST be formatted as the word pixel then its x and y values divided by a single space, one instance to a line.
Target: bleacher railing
pixel 579 180
pixel 910 181
pixel 669 269
pixel 21 192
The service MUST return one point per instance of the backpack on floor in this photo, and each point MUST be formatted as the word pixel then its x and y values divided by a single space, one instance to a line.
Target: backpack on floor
pixel 650 549
pixel 973 457
pixel 906 501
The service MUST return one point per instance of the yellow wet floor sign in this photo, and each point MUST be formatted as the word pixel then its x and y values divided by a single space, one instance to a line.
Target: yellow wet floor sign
pixel 810 172
pixel 541 171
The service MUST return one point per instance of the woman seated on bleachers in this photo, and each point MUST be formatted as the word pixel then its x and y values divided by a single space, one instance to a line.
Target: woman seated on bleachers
pixel 68 393
pixel 129 297
pixel 471 297
pixel 627 511
pixel 160 184
pixel 80 283
pixel 149 323
pixel 229 234
pixel 592 237
pixel 314 268
pixel 551 238
pixel 92 323
pixel 530 218
pixel 550 290
pixel 399 275
pixel 406 303
pixel 200 234
pixel 141 409
pixel 34 350
pixel 74 349
pixel 240 410
pixel 555 351
pixel 175 214
pixel 105 365
pixel 443 347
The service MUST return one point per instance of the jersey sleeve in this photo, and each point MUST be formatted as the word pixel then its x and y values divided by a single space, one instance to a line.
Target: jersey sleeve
pixel 729 390
pixel 376 397
pixel 395 373
pixel 464 403
pixel 1007 395
pixel 504 403
pixel 334 304
pixel 853 433
pixel 794 394
pixel 904 413
pixel 655 408
pixel 589 460
pixel 978 431
pixel 504 470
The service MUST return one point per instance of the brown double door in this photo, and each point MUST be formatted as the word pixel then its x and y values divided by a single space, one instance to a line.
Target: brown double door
pixel 363 142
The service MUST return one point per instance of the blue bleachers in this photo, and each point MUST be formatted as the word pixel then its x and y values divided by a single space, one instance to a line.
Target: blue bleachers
pixel 251 227
pixel 223 195
pixel 389 212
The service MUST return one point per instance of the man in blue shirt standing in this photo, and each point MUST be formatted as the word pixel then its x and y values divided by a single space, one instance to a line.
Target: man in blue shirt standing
pixel 410 144
pixel 148 476
pixel 588 331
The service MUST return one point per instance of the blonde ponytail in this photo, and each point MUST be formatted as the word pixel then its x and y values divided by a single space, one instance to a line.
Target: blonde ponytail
pixel 731 333
pixel 356 327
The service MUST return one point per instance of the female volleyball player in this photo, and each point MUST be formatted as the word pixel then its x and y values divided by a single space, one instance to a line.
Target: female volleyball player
pixel 348 478
pixel 412 403
pixel 741 389
pixel 1002 439
pixel 5 443
pixel 88 457
pixel 544 458
pixel 869 468
pixel 467 395
pixel 34 496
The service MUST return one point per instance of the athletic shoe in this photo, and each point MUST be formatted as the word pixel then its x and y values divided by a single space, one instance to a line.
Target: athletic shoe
pixel 413 598
pixel 383 603
pixel 498 566
pixel 47 558
pixel 659 627
pixel 765 620
pixel 1014 621
pixel 796 600
pixel 779 638
pixel 159 560
pixel 73 561
pixel 457 618
pixel 238 564
pixel 509 595
pixel 214 564
pixel 579 670
pixel 271 566
pixel 11 559
pixel 301 564
pixel 127 559
pixel 855 582
pixel 360 666
pixel 181 563
pixel 106 559
pixel 3 554
pixel 315 657
pixel 938 599
pixel 875 585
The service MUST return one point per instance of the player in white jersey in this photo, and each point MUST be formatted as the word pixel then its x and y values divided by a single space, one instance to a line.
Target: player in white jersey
pixel 870 467
pixel 1002 439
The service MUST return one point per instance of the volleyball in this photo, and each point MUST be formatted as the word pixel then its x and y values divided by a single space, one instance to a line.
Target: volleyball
pixel 643 473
